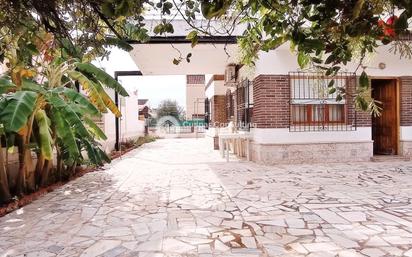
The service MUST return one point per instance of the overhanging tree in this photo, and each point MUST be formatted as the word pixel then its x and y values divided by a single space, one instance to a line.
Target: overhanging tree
pixel 324 34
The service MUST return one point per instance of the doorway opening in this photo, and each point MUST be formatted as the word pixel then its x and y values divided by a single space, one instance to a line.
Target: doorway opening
pixel 385 128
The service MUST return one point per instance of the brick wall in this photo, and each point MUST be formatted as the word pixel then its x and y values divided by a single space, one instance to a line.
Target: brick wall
pixel 363 119
pixel 271 96
pixel 218 106
pixel 406 101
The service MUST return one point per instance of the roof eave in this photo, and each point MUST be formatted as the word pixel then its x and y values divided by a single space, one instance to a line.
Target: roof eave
pixel 184 40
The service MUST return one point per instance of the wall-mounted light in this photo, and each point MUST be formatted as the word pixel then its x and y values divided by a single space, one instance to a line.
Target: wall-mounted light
pixel 382 65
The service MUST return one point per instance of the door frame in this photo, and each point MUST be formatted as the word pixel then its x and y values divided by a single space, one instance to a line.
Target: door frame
pixel 397 102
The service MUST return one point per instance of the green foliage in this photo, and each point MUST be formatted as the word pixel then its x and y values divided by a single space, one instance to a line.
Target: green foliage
pixel 170 108
pixel 95 130
pixel 364 80
pixel 66 135
pixel 18 109
pixel 81 100
pixel 101 76
pixel 6 85
pixel 193 37
pixel 45 138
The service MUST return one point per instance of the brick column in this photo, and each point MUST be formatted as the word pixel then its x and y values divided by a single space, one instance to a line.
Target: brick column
pixel 363 119
pixel 218 104
pixel 271 96
pixel 406 101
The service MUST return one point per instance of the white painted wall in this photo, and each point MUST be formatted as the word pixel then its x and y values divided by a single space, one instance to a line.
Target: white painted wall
pixel 195 100
pixel 130 125
pixel 109 127
pixel 217 87
pixel 282 61
pixel 406 133
pixel 284 136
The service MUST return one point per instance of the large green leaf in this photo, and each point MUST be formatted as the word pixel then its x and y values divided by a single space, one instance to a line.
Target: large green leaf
pixel 65 133
pixel 30 85
pixel 92 154
pixel 102 77
pixel 96 93
pixel 46 141
pixel 76 97
pixel 19 107
pixel 95 129
pixel 6 85
pixel 108 102
pixel 90 88
pixel 103 155
pixel 95 154
pixel 364 80
pixel 69 115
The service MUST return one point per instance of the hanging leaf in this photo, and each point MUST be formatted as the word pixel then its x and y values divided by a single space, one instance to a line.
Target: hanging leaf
pixel 46 141
pixel 65 133
pixel 6 85
pixel 176 61
pixel 90 89
pixel 193 37
pixel 30 85
pixel 357 9
pixel 76 97
pixel 364 80
pixel 95 129
pixel 361 103
pixel 19 107
pixel 70 116
pixel 114 41
pixel 92 153
pixel 303 60
pixel 102 77
pixel 96 93
pixel 107 100
pixel 103 155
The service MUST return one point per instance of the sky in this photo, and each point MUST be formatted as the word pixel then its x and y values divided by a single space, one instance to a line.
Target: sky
pixel 154 88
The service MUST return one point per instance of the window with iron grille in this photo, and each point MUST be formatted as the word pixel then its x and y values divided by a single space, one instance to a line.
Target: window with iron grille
pixel 312 108
pixel 207 113
pixel 244 102
pixel 229 105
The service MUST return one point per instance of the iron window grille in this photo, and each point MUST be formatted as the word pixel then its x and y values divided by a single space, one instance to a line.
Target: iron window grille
pixel 313 108
pixel 229 105
pixel 244 102
pixel 207 113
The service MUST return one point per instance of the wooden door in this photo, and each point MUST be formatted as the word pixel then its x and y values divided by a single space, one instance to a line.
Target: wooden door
pixel 385 127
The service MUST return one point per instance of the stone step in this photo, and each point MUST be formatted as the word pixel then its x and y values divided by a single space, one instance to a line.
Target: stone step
pixel 389 158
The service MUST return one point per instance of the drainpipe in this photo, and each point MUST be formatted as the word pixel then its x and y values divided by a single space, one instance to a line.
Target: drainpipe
pixel 116 119
pixel 117 74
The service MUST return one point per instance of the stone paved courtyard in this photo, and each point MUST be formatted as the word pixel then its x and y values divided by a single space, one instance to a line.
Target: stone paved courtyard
pixel 177 197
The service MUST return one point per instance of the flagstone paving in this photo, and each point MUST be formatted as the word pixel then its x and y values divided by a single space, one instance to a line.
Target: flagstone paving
pixel 177 197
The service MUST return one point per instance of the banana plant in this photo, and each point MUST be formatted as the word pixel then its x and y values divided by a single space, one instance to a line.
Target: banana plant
pixel 5 195
pixel 58 119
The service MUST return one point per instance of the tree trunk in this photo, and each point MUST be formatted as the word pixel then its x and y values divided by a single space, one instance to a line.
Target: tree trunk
pixel 48 164
pixel 39 169
pixel 5 195
pixel 59 165
pixel 30 173
pixel 21 176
